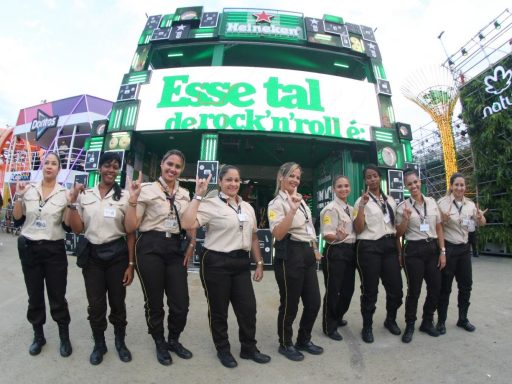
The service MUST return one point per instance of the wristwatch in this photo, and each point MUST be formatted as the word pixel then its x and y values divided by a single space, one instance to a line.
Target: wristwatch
pixel 259 262
pixel 198 197
pixel 73 206
pixel 131 263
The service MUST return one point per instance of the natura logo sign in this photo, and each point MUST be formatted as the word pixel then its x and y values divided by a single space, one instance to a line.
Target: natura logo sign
pixel 496 84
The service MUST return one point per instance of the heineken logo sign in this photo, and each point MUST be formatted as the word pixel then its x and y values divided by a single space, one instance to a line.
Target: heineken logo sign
pixel 263 23
pixel 258 99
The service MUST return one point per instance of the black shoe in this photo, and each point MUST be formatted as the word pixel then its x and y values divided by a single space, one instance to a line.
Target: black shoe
pixel 409 331
pixel 441 328
pixel 309 347
pixel 367 335
pixel 465 324
pixel 65 344
pixel 178 348
pixel 227 359
pixel 475 255
pixel 256 356
pixel 428 327
pixel 342 322
pixel 392 327
pixel 37 344
pixel 335 335
pixel 122 350
pixel 162 353
pixel 100 347
pixel 290 352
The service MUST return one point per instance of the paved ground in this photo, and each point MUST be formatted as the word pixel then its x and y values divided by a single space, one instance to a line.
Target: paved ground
pixel 457 357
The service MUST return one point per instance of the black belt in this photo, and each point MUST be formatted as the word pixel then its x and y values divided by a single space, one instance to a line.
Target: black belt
pixel 342 245
pixel 390 236
pixel 304 244
pixel 428 240
pixel 446 242
pixel 238 253
pixel 39 242
pixel 162 234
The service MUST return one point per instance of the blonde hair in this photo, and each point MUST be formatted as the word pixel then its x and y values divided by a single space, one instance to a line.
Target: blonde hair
pixel 284 171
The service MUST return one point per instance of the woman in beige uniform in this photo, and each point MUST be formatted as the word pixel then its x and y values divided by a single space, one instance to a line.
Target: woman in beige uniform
pixel 225 263
pixel 161 262
pixel 377 253
pixel 459 215
pixel 108 269
pixel 296 255
pixel 418 220
pixel 339 259
pixel 43 253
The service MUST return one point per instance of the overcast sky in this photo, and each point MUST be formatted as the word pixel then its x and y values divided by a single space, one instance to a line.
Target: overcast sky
pixel 53 49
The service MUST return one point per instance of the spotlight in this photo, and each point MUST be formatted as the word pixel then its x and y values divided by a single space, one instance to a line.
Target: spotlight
pixel 481 36
pixel 463 51
pixel 497 25
pixel 450 62
pixel 463 132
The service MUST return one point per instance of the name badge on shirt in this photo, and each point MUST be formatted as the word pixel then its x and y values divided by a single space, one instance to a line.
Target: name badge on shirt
pixel 40 224
pixel 387 219
pixel 424 227
pixel 465 222
pixel 109 212
pixel 242 217
pixel 170 223
pixel 310 230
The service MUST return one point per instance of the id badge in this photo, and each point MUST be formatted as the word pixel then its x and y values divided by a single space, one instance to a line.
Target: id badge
pixel 40 224
pixel 109 212
pixel 387 219
pixel 242 217
pixel 309 230
pixel 424 227
pixel 465 222
pixel 170 223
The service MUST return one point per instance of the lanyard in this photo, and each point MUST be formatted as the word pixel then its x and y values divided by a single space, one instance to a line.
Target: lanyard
pixel 304 212
pixel 382 205
pixel 168 196
pixel 422 218
pixel 238 210
pixel 459 209
pixel 42 202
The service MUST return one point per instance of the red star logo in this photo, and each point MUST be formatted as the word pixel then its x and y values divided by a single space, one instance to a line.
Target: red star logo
pixel 263 17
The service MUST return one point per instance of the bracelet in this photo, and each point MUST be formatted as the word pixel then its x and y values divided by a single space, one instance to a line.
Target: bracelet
pixel 191 245
pixel 131 263
pixel 259 262
pixel 132 204
pixel 72 206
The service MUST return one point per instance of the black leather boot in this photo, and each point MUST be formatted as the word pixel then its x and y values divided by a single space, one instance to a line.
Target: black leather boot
pixel 463 321
pixel 122 350
pixel 409 331
pixel 178 348
pixel 162 354
pixel 39 341
pixel 65 343
pixel 100 347
pixel 427 326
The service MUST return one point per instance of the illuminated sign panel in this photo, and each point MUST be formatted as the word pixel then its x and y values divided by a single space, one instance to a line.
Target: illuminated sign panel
pixel 257 99
pixel 262 24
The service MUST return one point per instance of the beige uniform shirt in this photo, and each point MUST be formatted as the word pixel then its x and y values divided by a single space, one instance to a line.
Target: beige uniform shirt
pixel 418 228
pixel 44 217
pixel 335 215
pixel 461 221
pixel 155 210
pixel 302 228
pixel 375 225
pixel 103 218
pixel 228 227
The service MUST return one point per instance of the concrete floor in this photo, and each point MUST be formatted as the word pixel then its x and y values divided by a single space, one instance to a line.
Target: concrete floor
pixel 457 357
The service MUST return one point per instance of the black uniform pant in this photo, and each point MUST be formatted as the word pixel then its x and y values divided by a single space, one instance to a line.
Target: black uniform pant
pixel 297 279
pixel 159 263
pixel 458 265
pixel 421 259
pixel 45 262
pixel 339 268
pixel 379 259
pixel 102 279
pixel 226 277
pixel 472 240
